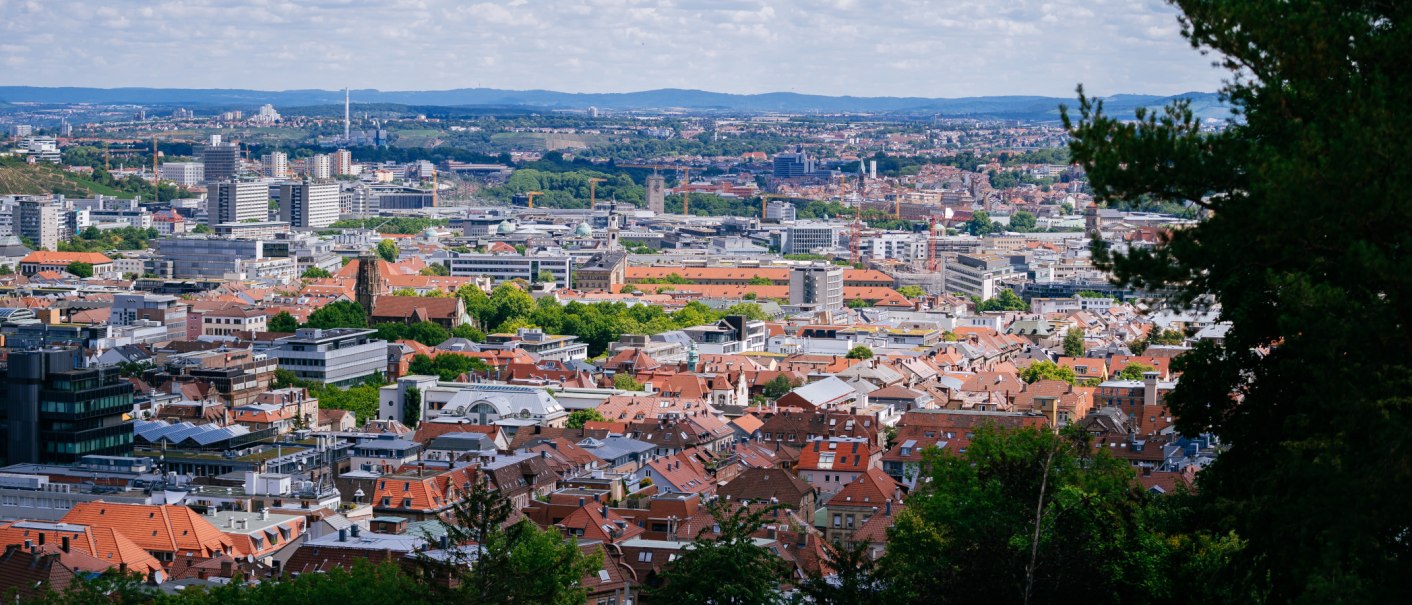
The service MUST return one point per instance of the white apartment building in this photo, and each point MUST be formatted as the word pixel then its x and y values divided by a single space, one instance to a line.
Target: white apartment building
pixel 186 174
pixel 234 202
pixel 308 205
pixel 276 164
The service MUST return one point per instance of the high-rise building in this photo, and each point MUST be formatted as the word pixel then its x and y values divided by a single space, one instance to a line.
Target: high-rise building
pixel 780 211
pixel 220 161
pixel 319 167
pixel 21 130
pixel 57 411
pixel 793 165
pixel 170 311
pixel 276 164
pixel 817 284
pixel 977 275
pixel 657 194
pixel 237 201
pixel 40 220
pixel 342 162
pixel 308 205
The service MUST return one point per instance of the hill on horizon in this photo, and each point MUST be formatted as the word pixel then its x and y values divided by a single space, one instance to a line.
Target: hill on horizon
pixel 1009 107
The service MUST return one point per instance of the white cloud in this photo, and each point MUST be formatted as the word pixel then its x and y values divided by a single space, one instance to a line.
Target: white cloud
pixel 874 47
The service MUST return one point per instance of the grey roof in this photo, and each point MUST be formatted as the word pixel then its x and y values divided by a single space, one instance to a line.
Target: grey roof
pixel 613 447
pixel 824 390
pixel 154 431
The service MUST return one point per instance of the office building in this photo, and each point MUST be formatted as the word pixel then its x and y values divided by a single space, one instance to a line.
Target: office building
pixel 818 285
pixel 793 165
pixel 57 411
pixel 342 162
pixel 265 230
pixel 340 357
pixel 40 220
pixel 657 194
pixel 219 258
pixel 276 164
pixel 977 274
pixel 780 211
pixel 236 201
pixel 308 205
pixel 21 130
pixel 170 311
pixel 219 161
pixel 905 247
pixel 505 267
pixel 805 238
pixel 186 174
pixel 319 167
pixel 405 198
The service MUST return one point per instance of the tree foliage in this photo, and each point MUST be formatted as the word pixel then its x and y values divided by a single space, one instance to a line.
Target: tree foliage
pixel 1309 385
pixel 1074 342
pixel 578 418
pixel 1004 300
pixel 447 366
pixel 341 314
pixel 387 250
pixel 80 269
pixel 727 569
pixel 316 273
pixel 1046 370
pixel 860 352
pixel 282 322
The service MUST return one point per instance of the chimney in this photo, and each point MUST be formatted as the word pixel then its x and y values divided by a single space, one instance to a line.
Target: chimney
pixel 1149 389
pixel 265 514
pixel 355 529
pixel 343 535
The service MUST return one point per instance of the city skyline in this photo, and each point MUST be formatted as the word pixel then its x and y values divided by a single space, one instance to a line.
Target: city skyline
pixel 901 48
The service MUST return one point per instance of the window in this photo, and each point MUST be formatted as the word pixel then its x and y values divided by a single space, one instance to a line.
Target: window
pixel 644 557
pixel 838 520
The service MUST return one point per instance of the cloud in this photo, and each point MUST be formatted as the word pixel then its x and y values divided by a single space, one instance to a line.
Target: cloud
pixel 873 47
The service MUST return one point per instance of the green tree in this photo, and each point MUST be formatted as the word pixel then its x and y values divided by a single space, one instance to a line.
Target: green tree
pixel 855 578
pixel 282 322
pixel 857 303
pixel 1004 300
pixel 387 249
pixel 435 269
pixel 778 386
pixel 578 418
pixel 316 273
pixel 1074 342
pixel 468 332
pixel 759 280
pixel 412 407
pixel 80 269
pixel 494 561
pixel 1046 370
pixel 980 224
pixel 1024 516
pixel 544 276
pixel 203 229
pixel 1023 222
pixel 1134 371
pixel 728 569
pixel 341 314
pixel 911 291
pixel 625 381
pixel 1318 355
pixel 860 352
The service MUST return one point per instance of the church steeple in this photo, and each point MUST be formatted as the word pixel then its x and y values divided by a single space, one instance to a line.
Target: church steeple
pixel 370 283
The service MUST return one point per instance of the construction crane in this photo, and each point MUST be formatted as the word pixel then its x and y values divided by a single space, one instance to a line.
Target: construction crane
pixel 530 195
pixel 685 191
pixel 592 191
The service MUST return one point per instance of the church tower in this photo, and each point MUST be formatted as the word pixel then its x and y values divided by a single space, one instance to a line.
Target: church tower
pixel 370 282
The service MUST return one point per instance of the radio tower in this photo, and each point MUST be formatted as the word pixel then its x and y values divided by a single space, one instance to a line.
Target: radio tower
pixel 345 115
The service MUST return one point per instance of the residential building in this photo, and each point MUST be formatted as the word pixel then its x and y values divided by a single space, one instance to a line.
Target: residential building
pixel 232 320
pixel 340 356
pixel 817 285
pixel 319 167
pixel 342 162
pixel 276 164
pixel 40 220
pixel 605 272
pixel 236 202
pixel 308 205
pixel 58 411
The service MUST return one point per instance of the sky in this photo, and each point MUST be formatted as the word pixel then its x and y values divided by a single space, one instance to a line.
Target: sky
pixel 925 48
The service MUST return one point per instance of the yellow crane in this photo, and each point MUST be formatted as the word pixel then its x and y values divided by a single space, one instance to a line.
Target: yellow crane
pixel 592 191
pixel 531 194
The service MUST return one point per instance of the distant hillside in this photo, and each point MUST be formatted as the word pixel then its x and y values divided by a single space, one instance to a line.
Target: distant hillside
pixel 20 178
pixel 1010 107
